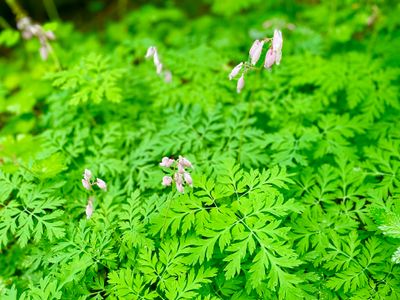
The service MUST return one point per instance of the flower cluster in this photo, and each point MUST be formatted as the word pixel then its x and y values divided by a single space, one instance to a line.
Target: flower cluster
pixel 273 56
pixel 180 174
pixel 87 181
pixel 29 30
pixel 153 53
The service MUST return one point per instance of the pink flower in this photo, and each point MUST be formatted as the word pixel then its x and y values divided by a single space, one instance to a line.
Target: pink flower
pixel 166 162
pixel 87 174
pixel 181 168
pixel 188 178
pixel 255 51
pixel 156 59
pixel 50 35
pixel 240 84
pixel 179 187
pixel 44 52
pixel 89 208
pixel 167 180
pixel 101 184
pixel 185 162
pixel 168 76
pixel 86 184
pixel 150 51
pixel 277 40
pixel 277 46
pixel 178 178
pixel 159 68
pixel 269 58
pixel 235 71
pixel 27 35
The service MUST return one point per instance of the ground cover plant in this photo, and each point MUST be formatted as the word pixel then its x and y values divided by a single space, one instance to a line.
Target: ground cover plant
pixel 215 149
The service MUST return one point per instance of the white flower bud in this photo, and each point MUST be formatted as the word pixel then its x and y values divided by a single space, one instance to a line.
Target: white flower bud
pixel 255 51
pixel 188 178
pixel 101 184
pixel 87 174
pixel 166 181
pixel 44 52
pixel 269 58
pixel 150 51
pixel 179 187
pixel 240 84
pixel 166 162
pixel 277 40
pixel 89 208
pixel 86 184
pixel 235 71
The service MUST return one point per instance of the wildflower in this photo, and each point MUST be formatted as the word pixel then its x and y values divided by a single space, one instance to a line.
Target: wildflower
pixel 179 187
pixel 269 59
pixel 277 42
pixel 89 208
pixel 152 52
pixel 101 184
pixel 185 162
pixel 159 68
pixel 255 51
pixel 188 178
pixel 240 84
pixel 86 184
pixel 29 30
pixel 235 71
pixel 166 162
pixel 179 182
pixel 87 174
pixel 181 168
pixel 167 180
pixel 156 59
pixel 168 76
pixel 273 56
pixel 178 178
pixel 180 174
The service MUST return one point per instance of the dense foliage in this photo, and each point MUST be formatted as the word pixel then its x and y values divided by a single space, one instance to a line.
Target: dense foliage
pixel 296 180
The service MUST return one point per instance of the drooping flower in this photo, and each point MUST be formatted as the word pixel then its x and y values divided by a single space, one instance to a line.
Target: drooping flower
pixel 255 51
pixel 180 174
pixel 101 184
pixel 168 76
pixel 235 71
pixel 159 68
pixel 29 29
pixel 87 174
pixel 179 187
pixel 240 84
pixel 269 59
pixel 86 184
pixel 185 162
pixel 273 56
pixel 181 168
pixel 156 59
pixel 166 181
pixel 89 208
pixel 277 43
pixel 150 51
pixel 188 178
pixel 166 162
pixel 277 40
pixel 179 182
